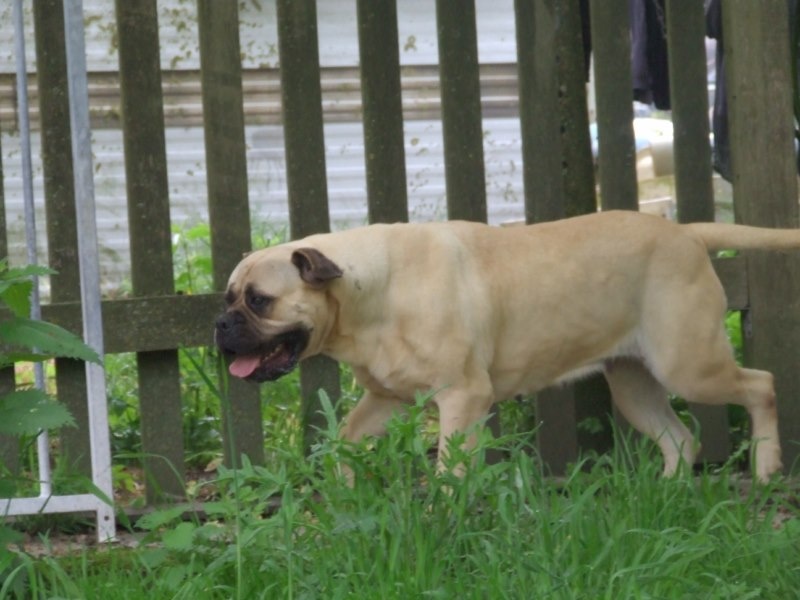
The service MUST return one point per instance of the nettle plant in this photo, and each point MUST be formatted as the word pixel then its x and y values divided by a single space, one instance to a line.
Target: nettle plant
pixel 27 411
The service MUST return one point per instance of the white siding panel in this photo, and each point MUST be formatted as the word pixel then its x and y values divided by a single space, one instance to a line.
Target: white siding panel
pixel 337 31
pixel 265 155
pixel 267 181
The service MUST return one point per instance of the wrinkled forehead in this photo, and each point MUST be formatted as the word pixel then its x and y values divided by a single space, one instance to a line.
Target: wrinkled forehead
pixel 267 271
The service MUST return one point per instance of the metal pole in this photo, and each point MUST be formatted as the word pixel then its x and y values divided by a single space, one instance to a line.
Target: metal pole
pixel 88 259
pixel 42 440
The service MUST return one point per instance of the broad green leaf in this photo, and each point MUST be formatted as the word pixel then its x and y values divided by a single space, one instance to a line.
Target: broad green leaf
pixel 46 338
pixel 11 278
pixel 160 518
pixel 9 359
pixel 9 536
pixel 179 538
pixel 20 273
pixel 17 297
pixel 201 231
pixel 28 411
pixel 218 508
pixel 152 558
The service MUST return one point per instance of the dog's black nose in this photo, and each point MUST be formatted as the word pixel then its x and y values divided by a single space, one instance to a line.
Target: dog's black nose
pixel 223 322
pixel 228 320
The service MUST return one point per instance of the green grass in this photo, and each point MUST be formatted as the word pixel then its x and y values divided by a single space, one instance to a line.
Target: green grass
pixel 612 528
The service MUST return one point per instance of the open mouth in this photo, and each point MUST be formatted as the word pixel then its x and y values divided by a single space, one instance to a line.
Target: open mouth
pixel 272 361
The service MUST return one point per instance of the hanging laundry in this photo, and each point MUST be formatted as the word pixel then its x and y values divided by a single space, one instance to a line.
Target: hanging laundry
pixel 649 61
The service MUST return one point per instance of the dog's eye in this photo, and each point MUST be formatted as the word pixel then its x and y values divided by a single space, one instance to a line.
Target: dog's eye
pixel 258 301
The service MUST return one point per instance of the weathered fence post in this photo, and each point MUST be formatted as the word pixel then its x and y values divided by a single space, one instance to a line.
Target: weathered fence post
pixel 614 89
pixel 617 170
pixel 459 74
pixel 577 166
pixel 150 237
pixel 539 102
pixel 693 185
pixel 688 73
pixel 537 70
pixel 381 93
pixel 759 76
pixel 62 240
pixel 461 110
pixel 305 169
pixel 228 201
pixel 554 117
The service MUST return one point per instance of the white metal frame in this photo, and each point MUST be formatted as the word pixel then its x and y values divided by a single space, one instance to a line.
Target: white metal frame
pixel 46 502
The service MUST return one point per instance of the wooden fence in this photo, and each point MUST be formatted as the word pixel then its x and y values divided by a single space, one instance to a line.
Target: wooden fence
pixel 559 178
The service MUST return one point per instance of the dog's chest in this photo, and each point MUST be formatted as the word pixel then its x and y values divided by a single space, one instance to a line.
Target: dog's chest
pixel 394 372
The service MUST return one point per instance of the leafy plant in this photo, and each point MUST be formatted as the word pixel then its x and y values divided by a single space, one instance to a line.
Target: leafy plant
pixel 28 410
pixel 610 528
pixel 23 339
pixel 191 252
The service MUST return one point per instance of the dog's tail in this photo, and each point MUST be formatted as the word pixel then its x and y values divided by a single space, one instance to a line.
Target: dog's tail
pixel 725 236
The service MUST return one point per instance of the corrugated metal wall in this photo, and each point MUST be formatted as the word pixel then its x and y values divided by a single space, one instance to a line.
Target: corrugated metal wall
pixel 341 98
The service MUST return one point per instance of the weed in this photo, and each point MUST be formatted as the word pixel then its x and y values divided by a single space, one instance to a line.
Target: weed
pixel 25 412
pixel 611 528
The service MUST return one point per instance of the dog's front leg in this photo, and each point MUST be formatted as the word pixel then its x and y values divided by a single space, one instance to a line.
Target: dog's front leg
pixel 461 410
pixel 368 418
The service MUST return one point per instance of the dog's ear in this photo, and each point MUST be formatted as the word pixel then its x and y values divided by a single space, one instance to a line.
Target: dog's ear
pixel 315 268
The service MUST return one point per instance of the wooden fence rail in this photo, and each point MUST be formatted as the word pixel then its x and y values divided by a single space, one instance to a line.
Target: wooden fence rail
pixel 559 180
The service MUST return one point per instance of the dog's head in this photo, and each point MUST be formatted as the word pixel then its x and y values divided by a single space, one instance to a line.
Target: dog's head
pixel 278 311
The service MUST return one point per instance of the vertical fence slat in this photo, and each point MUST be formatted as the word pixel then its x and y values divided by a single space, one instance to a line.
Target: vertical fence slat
pixel 461 110
pixel 9 446
pixel 537 64
pixel 611 49
pixel 537 70
pixel 462 125
pixel 556 438
pixel 150 237
pixel 614 84
pixel 559 410
pixel 577 166
pixel 302 117
pixel 225 144
pixel 62 233
pixel 693 186
pixel 228 204
pixel 759 76
pixel 382 100
pixel 689 98
pixel 301 96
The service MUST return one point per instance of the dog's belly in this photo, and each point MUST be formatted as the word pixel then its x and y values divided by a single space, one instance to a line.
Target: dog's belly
pixel 532 381
pixel 533 371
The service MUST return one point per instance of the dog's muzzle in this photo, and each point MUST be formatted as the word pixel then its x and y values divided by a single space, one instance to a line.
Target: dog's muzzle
pixel 253 357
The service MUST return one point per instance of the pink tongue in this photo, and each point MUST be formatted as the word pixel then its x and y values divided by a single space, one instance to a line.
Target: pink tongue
pixel 244 366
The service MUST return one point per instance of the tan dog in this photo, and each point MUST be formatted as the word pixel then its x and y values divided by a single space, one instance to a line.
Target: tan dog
pixel 478 314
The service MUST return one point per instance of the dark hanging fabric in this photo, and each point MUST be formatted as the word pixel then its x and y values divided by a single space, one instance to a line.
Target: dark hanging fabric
pixel 586 30
pixel 649 52
pixel 721 154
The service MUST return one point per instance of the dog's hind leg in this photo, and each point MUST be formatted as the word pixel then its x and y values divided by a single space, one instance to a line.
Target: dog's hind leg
pixel 643 401
pixel 700 367
pixel 748 387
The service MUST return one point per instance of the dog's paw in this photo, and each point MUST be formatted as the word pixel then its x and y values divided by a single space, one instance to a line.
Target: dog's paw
pixel 767 460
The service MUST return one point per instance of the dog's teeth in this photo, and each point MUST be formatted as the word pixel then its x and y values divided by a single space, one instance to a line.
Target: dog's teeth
pixel 276 351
